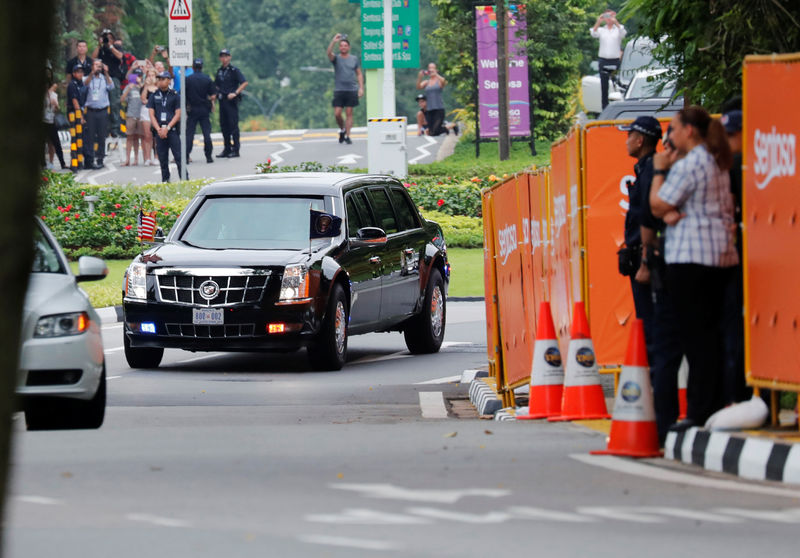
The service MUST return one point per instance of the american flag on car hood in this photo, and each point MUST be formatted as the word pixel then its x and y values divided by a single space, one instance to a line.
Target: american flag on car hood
pixel 146 226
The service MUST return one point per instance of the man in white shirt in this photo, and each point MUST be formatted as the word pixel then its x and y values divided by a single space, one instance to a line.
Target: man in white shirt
pixel 608 56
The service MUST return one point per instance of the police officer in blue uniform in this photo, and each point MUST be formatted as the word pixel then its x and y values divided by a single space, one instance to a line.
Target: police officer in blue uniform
pixel 164 107
pixel 200 93
pixel 643 234
pixel 230 83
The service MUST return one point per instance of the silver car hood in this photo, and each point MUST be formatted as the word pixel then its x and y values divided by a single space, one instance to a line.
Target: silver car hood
pixel 53 293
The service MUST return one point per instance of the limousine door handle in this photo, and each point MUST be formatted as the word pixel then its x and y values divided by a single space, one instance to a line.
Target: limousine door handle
pixel 375 260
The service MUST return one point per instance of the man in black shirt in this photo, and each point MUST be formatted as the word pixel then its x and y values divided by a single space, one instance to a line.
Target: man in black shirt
pixel 650 298
pixel 230 83
pixel 199 104
pixel 164 107
pixel 76 100
pixel 81 59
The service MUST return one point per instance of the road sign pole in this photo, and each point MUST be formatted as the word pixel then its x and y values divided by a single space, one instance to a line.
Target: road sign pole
pixel 388 61
pixel 184 171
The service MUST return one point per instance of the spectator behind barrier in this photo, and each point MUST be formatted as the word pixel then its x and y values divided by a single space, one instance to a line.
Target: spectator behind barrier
pixel 696 203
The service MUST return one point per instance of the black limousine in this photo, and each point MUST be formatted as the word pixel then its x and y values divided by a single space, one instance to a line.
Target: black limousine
pixel 277 262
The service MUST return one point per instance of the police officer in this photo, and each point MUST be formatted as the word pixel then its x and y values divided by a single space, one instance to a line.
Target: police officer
pixel 76 102
pixel 199 104
pixel 230 83
pixel 650 296
pixel 164 107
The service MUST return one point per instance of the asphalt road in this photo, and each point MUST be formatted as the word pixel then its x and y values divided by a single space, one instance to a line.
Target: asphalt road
pixel 282 147
pixel 255 455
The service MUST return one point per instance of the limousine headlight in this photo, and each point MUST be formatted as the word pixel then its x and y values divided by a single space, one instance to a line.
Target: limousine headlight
pixel 294 286
pixel 136 282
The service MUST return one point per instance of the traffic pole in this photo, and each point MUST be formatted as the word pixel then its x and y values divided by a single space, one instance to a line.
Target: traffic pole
pixel 389 109
pixel 183 174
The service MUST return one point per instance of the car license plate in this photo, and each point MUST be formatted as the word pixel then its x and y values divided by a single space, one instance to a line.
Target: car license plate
pixel 207 316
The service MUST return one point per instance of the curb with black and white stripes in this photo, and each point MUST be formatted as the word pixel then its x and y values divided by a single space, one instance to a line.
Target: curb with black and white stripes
pixel 483 395
pixel 747 457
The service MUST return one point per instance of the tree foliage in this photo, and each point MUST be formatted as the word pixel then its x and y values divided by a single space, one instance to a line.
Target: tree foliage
pixel 559 49
pixel 705 41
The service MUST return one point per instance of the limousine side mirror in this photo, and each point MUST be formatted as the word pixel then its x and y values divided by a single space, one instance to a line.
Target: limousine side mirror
pixel 372 234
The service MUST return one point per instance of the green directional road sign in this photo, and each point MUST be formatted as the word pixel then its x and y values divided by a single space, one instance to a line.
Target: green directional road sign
pixel 405 33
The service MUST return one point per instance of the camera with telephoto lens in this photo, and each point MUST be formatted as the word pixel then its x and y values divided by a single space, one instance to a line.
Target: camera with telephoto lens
pixel 104 35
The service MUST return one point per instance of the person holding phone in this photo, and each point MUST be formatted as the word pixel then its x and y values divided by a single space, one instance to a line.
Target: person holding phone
pixel 610 36
pixel 433 83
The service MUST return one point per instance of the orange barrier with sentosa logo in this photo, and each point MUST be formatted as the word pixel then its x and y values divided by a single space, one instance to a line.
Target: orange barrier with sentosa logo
pixel 559 248
pixel 771 220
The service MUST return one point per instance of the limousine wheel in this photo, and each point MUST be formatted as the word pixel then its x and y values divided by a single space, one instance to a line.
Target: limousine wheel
pixel 329 349
pixel 424 332
pixel 142 357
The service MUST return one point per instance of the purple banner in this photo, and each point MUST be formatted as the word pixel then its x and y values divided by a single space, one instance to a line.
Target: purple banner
pixel 519 122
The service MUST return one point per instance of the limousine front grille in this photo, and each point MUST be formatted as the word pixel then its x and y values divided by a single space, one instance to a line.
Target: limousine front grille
pixel 211 287
pixel 211 331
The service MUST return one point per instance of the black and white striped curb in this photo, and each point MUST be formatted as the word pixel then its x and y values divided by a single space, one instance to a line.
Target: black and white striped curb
pixel 110 314
pixel 484 397
pixel 747 457
pixel 510 413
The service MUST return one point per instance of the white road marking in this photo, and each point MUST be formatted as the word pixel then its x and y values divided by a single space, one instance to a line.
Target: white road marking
pixel 431 404
pixel 348 542
pixel 391 492
pixel 113 377
pixel 619 514
pixel 349 159
pixel 433 513
pixel 527 512
pixel 392 356
pixel 94 176
pixel 468 375
pixel 274 133
pixel 423 149
pixel 366 517
pixel 276 158
pixel 791 515
pixel 656 473
pixel 692 515
pixel 114 350
pixel 448 344
pixel 444 380
pixel 157 520
pixel 41 500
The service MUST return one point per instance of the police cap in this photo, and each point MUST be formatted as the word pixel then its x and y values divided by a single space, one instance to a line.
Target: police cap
pixel 163 75
pixel 224 52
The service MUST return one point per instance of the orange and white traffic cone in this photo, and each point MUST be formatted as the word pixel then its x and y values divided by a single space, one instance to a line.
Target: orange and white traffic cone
pixel 633 429
pixel 547 373
pixel 683 381
pixel 583 397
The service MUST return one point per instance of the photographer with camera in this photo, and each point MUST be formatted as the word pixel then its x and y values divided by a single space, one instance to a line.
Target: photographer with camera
pixel 348 84
pixel 642 260
pixel 610 52
pixel 98 87
pixel 110 52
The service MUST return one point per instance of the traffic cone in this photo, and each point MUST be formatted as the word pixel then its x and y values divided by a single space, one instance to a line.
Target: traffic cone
pixel 633 429
pixel 547 373
pixel 582 397
pixel 683 381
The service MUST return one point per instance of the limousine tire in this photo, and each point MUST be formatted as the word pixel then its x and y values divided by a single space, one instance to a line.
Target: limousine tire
pixel 142 357
pixel 425 331
pixel 329 349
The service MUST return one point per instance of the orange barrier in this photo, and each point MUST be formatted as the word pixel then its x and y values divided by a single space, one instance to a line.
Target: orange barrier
pixel 493 350
pixel 559 257
pixel 771 220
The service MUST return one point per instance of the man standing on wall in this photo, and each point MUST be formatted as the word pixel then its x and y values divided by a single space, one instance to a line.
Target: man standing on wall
pixel 230 83
pixel 348 84
pixel 609 54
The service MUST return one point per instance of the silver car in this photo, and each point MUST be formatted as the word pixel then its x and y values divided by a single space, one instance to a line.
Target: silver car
pixel 62 380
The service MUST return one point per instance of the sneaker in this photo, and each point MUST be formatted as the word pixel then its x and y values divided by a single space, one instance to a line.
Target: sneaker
pixel 347 140
pixel 341 136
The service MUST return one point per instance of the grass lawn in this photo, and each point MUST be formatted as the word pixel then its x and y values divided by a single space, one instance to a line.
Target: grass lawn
pixel 466 278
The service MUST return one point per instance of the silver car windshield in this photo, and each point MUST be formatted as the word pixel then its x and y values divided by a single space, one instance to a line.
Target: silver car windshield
pixel 260 223
pixel 45 257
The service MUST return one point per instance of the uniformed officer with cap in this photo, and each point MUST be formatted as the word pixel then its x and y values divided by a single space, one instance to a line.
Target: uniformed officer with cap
pixel 164 107
pixel 200 94
pixel 230 83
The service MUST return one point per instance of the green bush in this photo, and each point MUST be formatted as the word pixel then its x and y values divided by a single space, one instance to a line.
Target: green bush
pixel 459 231
pixel 111 230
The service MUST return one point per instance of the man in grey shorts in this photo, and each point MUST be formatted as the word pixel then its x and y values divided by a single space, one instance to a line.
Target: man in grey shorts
pixel 348 84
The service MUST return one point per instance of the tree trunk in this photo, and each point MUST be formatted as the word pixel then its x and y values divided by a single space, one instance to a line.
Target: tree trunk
pixel 28 35
pixel 504 141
